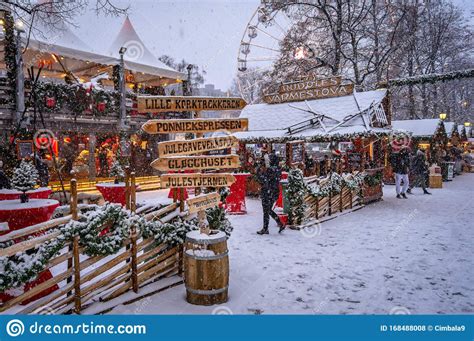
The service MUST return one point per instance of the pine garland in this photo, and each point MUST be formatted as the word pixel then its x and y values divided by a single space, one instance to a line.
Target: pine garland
pixel 25 266
pixel 296 191
pixel 432 78
pixel 335 185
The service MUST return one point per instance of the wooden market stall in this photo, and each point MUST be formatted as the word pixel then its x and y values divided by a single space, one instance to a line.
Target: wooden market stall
pixel 326 129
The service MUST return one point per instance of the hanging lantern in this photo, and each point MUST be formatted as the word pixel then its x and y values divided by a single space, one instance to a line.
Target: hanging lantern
pixel 101 106
pixel 50 102
pixel 245 48
pixel 252 32
pixel 242 65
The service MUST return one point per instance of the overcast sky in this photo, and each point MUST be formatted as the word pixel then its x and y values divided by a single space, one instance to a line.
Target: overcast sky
pixel 204 32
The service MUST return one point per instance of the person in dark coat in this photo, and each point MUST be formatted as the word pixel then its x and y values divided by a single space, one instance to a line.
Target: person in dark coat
pixel 401 166
pixel 419 170
pixel 268 175
pixel 42 168
pixel 4 181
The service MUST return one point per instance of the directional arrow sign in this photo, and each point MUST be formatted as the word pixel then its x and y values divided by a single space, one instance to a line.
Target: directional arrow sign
pixel 175 148
pixel 196 162
pixel 187 103
pixel 195 125
pixel 203 202
pixel 196 180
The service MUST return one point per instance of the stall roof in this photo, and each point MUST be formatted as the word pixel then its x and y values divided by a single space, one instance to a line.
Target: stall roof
pixel 77 57
pixel 273 120
pixel 418 128
pixel 449 127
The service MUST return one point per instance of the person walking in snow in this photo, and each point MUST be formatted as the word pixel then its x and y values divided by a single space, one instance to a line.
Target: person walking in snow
pixel 419 170
pixel 401 166
pixel 268 175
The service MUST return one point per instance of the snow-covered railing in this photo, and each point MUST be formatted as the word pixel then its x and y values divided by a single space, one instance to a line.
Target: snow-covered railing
pixel 72 281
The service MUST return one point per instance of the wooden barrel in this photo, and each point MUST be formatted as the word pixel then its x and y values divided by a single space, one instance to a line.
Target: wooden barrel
pixel 206 268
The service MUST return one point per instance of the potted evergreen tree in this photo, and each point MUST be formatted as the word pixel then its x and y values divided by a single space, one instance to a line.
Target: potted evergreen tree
pixel 117 172
pixel 24 179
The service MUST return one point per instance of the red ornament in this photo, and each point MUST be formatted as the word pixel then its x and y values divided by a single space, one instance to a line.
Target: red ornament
pixel 50 102
pixel 101 106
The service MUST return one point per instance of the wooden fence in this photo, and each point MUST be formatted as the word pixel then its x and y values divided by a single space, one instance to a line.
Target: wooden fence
pixel 318 208
pixel 83 280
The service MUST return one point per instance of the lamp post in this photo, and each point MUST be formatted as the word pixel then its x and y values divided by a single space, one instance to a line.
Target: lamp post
pixel 123 109
pixel 20 77
pixel 443 116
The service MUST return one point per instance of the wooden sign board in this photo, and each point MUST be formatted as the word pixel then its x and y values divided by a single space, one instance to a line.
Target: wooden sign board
pixel 203 202
pixel 196 162
pixel 157 104
pixel 310 84
pixel 201 145
pixel 195 125
pixel 196 180
pixel 317 93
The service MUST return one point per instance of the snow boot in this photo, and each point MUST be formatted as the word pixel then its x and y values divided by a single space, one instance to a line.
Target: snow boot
pixel 404 196
pixel 398 196
pixel 409 191
pixel 426 192
pixel 281 228
pixel 263 231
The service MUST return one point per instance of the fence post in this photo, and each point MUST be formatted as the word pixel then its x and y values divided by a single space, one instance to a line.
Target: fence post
pixel 133 234
pixel 127 188
pixel 75 251
pixel 341 204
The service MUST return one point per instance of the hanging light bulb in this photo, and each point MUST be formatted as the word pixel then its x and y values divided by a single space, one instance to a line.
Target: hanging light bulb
pixel 252 32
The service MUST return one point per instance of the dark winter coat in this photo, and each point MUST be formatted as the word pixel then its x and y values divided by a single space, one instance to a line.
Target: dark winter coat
pixel 419 166
pixel 400 162
pixel 269 179
pixel 4 181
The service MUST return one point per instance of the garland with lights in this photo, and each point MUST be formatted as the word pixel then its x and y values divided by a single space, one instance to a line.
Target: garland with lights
pixel 296 191
pixel 312 139
pixel 52 97
pixel 102 232
pixel 432 78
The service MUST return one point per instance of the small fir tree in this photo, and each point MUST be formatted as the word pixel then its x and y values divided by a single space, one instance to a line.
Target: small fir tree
pixel 296 192
pixel 24 178
pixel 117 172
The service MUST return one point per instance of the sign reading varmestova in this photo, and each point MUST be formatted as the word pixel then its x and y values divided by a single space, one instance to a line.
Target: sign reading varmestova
pixel 196 180
pixel 196 146
pixel 203 202
pixel 196 162
pixel 157 104
pixel 195 125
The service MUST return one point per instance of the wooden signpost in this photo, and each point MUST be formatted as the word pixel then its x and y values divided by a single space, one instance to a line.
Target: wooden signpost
pixel 203 202
pixel 195 125
pixel 157 104
pixel 196 162
pixel 195 146
pixel 196 180
pixel 310 89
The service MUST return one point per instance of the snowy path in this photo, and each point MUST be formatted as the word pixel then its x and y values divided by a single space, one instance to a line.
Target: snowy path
pixel 391 256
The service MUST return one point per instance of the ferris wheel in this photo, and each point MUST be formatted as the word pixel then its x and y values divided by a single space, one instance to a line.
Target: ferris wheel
pixel 262 41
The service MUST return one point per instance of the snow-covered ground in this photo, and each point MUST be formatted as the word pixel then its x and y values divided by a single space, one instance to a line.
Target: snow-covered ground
pixel 395 256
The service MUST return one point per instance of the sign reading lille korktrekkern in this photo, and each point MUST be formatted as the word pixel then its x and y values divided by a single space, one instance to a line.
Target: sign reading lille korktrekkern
pixel 196 162
pixel 196 180
pixel 157 104
pixel 195 125
pixel 195 146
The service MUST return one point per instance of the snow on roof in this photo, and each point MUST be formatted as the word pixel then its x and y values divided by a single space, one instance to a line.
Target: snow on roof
pixel 449 126
pixel 426 127
pixel 137 52
pixel 273 120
